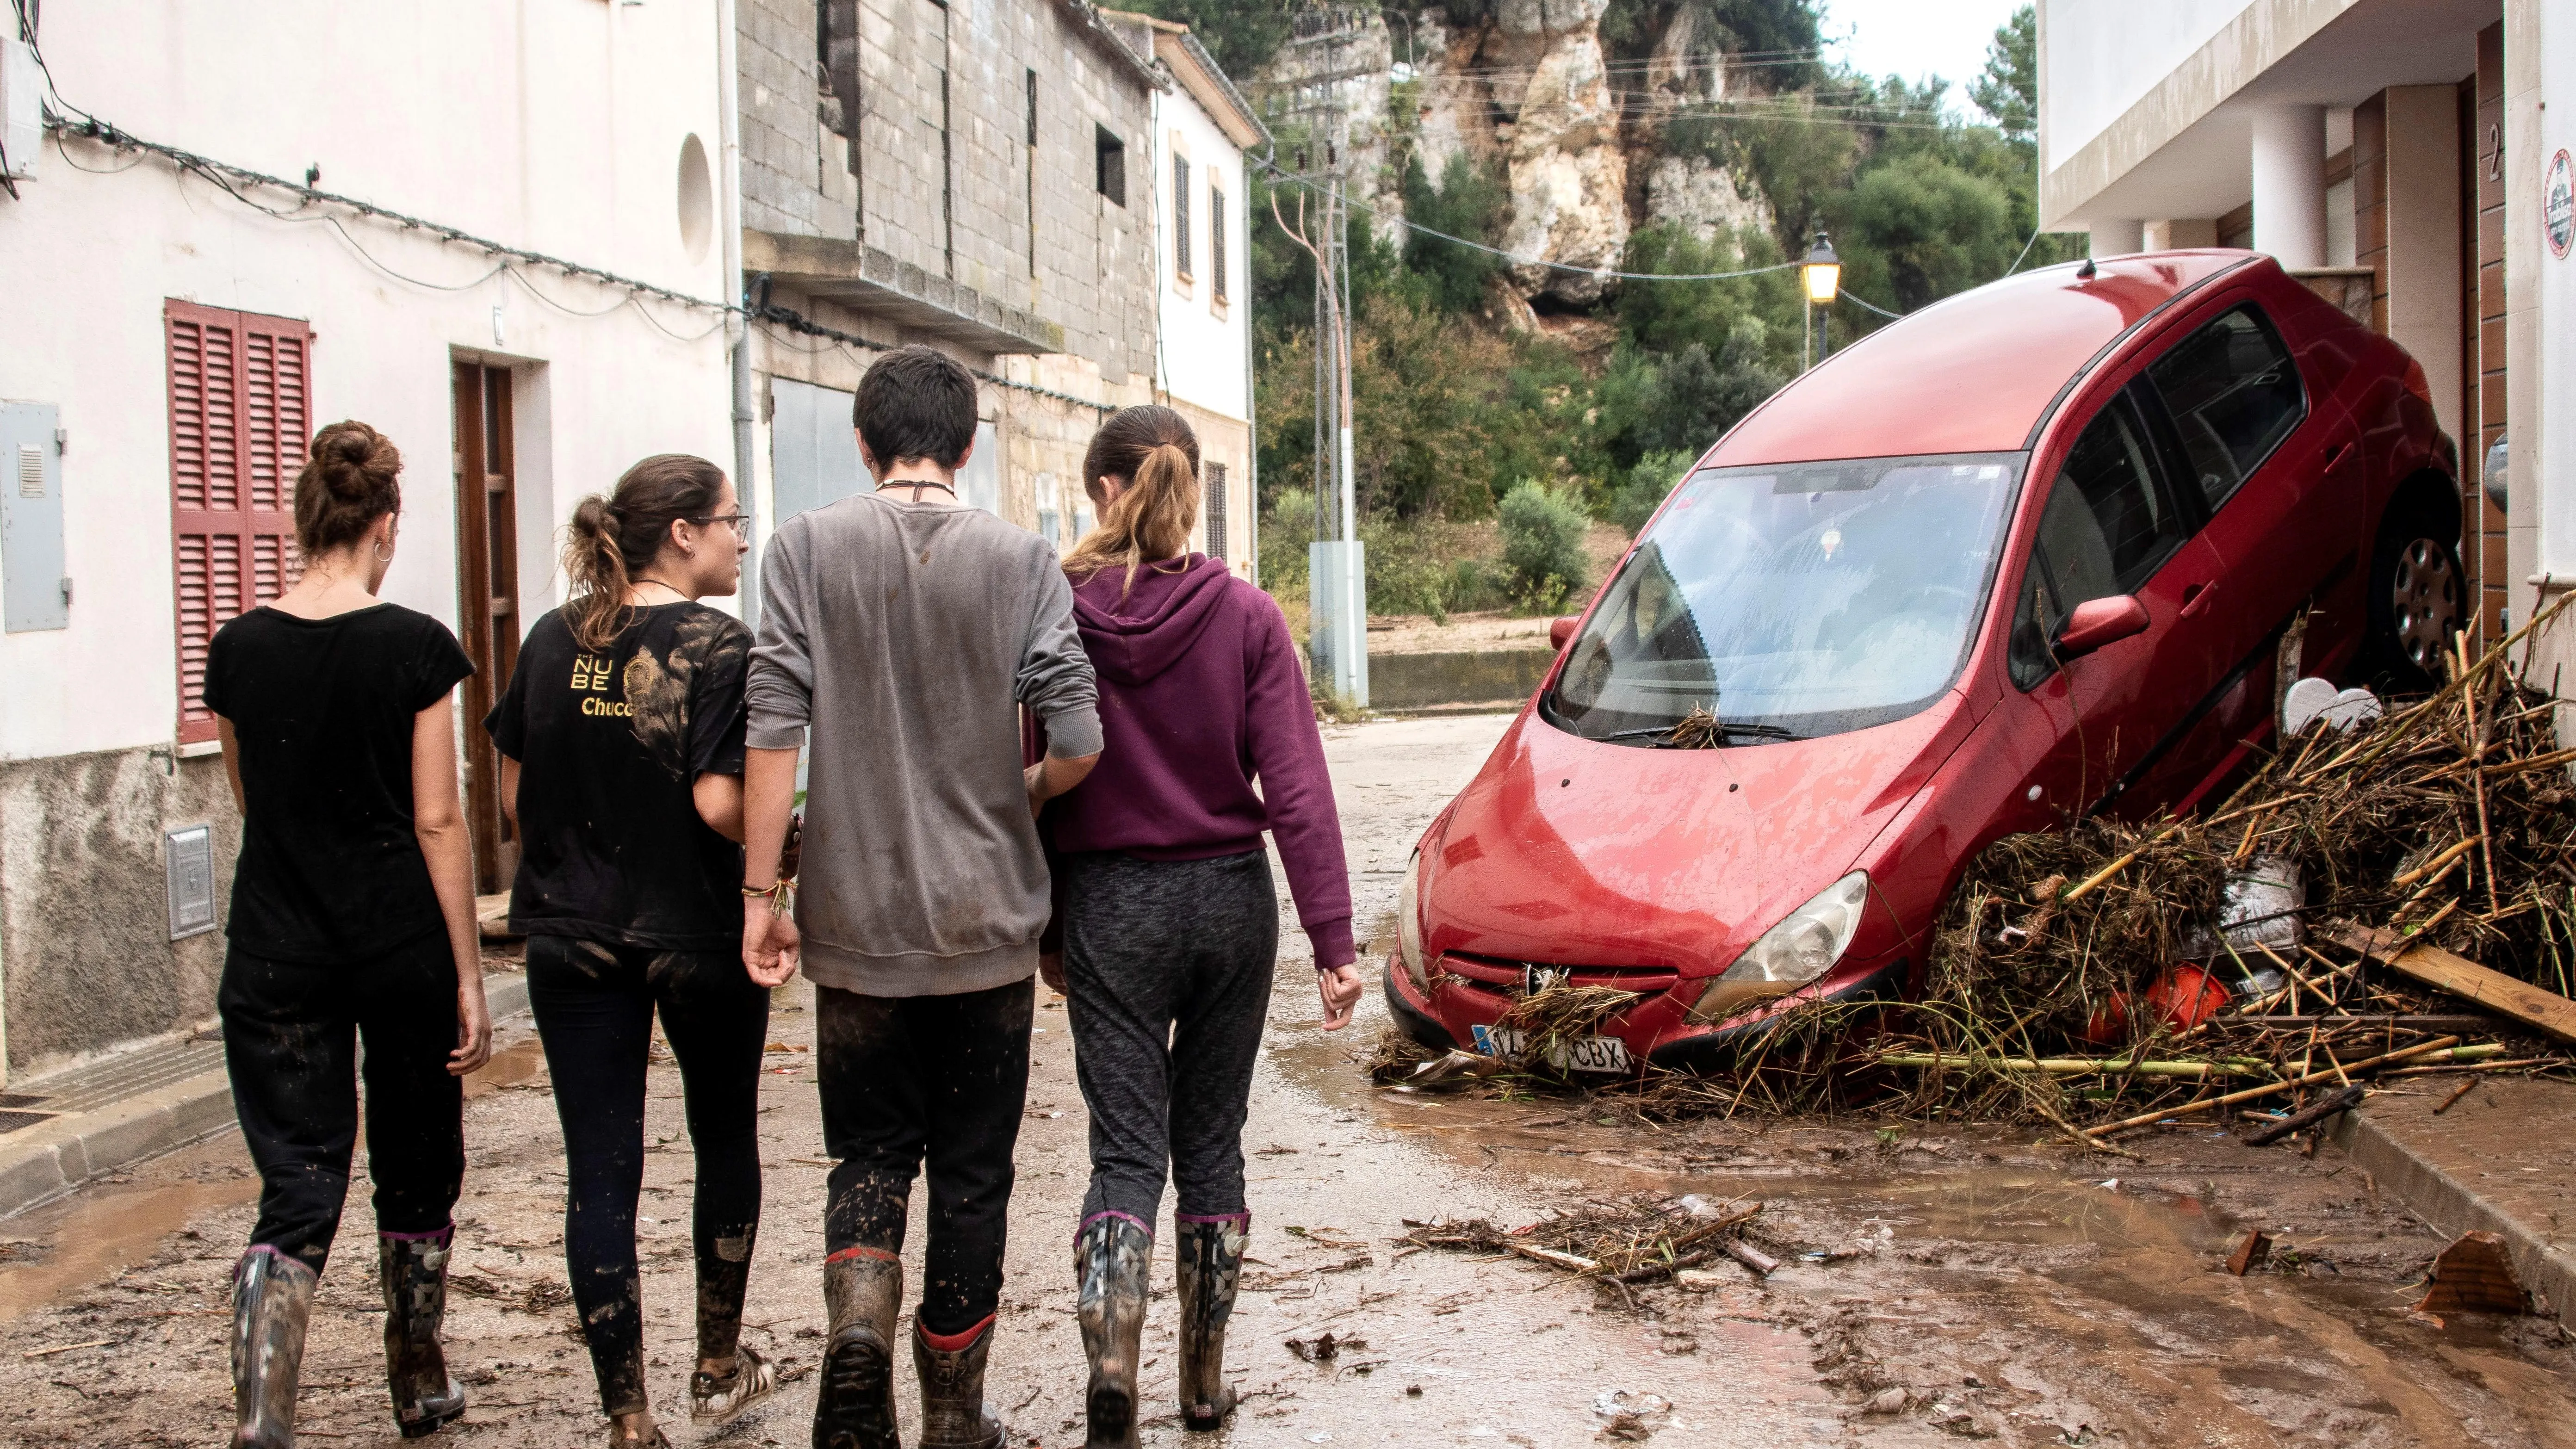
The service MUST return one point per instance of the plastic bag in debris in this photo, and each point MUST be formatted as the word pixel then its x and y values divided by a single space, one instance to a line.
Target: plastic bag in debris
pixel 2261 909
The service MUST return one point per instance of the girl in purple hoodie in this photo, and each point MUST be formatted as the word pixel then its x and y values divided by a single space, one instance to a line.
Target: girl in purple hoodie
pixel 1170 920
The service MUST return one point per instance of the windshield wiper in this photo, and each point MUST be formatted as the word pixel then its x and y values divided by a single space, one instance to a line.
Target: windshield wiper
pixel 1661 733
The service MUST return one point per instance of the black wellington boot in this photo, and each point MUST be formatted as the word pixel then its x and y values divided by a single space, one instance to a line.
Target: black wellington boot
pixel 413 1270
pixel 1209 1256
pixel 952 1393
pixel 272 1298
pixel 854 1409
pixel 1112 1257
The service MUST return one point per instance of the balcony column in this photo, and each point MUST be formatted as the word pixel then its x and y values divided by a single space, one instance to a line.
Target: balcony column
pixel 2289 157
pixel 2118 237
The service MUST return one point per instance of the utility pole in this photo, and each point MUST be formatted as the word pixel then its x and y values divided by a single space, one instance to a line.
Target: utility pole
pixel 1324 39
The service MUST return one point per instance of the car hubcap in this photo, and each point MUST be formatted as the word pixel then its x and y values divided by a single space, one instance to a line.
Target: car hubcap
pixel 2424 600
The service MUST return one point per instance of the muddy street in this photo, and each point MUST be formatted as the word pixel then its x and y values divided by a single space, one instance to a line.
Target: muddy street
pixel 1936 1284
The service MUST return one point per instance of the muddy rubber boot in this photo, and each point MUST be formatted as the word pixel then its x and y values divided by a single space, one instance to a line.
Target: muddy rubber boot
pixel 952 1392
pixel 1112 1257
pixel 854 1408
pixel 413 1270
pixel 1209 1256
pixel 272 1298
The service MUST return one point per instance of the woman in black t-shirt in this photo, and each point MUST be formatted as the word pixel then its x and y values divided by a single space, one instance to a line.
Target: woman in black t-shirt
pixel 352 917
pixel 621 737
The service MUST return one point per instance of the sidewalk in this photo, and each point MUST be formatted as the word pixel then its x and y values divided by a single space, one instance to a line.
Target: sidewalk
pixel 2499 1161
pixel 75 1125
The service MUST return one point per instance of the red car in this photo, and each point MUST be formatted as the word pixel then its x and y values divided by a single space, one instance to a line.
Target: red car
pixel 2031 552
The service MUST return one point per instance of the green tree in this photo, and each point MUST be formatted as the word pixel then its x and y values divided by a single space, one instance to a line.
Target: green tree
pixel 1919 229
pixel 1542 546
pixel 1241 34
pixel 1470 201
pixel 2008 91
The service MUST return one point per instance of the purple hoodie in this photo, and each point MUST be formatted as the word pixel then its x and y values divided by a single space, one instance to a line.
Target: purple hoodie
pixel 1200 696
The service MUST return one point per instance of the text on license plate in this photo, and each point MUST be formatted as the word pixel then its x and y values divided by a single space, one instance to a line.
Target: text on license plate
pixel 1584 1054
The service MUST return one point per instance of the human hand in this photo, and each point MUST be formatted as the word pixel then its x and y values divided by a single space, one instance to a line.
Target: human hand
pixel 1051 971
pixel 771 947
pixel 1340 986
pixel 473 1028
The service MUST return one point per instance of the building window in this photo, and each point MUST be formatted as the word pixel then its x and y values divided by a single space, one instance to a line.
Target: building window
pixel 1033 173
pixel 1110 157
pixel 1215 490
pixel 1216 245
pixel 1181 217
pixel 240 414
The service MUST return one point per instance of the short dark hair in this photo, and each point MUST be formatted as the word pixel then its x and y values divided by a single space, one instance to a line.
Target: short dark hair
pixel 916 402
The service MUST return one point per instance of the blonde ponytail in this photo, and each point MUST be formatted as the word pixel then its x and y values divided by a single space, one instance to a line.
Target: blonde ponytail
pixel 1151 519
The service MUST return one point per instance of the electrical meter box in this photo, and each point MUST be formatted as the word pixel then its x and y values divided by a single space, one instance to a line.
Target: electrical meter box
pixel 35 592
pixel 22 119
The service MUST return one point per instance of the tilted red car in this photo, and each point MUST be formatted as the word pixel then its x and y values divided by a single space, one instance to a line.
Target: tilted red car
pixel 2030 552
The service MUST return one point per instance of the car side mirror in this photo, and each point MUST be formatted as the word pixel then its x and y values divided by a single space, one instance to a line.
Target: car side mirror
pixel 1560 630
pixel 2097 622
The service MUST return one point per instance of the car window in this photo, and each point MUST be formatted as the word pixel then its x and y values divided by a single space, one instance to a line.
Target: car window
pixel 2107 525
pixel 2234 395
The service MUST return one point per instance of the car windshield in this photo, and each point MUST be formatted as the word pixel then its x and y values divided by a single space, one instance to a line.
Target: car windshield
pixel 1793 600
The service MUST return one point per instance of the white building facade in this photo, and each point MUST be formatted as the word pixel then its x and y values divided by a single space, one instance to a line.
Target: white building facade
pixel 2404 156
pixel 1203 130
pixel 176 330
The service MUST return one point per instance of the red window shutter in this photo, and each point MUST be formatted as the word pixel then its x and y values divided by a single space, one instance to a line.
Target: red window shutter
pixel 240 415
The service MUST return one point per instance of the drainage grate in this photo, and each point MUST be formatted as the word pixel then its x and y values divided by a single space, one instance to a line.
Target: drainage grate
pixel 12 1121
pixel 18 1099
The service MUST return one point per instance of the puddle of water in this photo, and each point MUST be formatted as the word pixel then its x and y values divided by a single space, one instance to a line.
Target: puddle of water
pixel 99 1232
pixel 518 1062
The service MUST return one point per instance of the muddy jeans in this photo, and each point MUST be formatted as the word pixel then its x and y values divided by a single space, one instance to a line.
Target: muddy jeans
pixel 1167 965
pixel 594 1006
pixel 941 1078
pixel 291 1033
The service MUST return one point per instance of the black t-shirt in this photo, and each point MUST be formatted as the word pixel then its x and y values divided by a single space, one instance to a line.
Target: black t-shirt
pixel 609 745
pixel 322 711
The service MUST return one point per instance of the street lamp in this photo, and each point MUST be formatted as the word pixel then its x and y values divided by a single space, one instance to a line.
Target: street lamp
pixel 1821 274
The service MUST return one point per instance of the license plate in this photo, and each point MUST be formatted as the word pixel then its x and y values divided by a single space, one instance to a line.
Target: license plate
pixel 1584 1054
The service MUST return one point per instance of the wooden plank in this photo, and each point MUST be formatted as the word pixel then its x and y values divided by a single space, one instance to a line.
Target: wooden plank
pixel 2422 960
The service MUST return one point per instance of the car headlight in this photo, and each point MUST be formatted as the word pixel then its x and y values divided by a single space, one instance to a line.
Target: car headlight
pixel 1803 946
pixel 1408 925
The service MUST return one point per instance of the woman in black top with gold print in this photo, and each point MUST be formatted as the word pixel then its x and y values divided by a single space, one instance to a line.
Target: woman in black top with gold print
pixel 621 738
pixel 352 917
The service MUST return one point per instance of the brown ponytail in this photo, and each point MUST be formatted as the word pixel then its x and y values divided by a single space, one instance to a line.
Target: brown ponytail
pixel 1152 448
pixel 613 538
pixel 349 480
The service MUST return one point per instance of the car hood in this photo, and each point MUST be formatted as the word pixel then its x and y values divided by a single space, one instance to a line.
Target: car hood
pixel 1569 851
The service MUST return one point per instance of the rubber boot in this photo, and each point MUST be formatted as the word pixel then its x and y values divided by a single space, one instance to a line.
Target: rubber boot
pixel 272 1298
pixel 1209 1257
pixel 413 1269
pixel 854 1409
pixel 952 1392
pixel 1112 1257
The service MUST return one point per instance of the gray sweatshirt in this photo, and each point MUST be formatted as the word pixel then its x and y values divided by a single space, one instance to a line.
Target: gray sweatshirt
pixel 899 634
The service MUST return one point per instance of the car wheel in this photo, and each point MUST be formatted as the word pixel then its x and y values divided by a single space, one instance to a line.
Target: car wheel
pixel 2417 592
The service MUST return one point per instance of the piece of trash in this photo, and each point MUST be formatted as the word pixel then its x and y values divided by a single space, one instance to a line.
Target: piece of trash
pixel 1885 1401
pixel 1323 1349
pixel 1700 1207
pixel 2252 1253
pixel 1455 1067
pixel 2313 699
pixel 1632 1417
pixel 1700 1280
pixel 2343 1099
pixel 1413 1391
pixel 2112 1183
pixel 2474 1275
pixel 2260 908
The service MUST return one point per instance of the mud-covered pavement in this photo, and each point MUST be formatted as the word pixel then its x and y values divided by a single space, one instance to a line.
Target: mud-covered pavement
pixel 1937 1284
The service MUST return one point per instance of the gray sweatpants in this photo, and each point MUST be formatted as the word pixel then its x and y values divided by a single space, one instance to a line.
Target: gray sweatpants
pixel 1168 966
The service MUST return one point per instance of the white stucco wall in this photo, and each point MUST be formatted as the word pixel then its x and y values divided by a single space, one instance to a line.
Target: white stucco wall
pixel 2100 57
pixel 1203 355
pixel 2542 529
pixel 556 127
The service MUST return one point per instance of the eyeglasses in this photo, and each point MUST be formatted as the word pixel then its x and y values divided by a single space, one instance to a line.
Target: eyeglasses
pixel 738 522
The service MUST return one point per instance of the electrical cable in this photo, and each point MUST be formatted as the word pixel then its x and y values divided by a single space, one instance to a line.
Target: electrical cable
pixel 1871 307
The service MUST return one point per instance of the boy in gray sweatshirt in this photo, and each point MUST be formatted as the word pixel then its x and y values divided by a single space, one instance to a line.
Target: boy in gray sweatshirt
pixel 897 631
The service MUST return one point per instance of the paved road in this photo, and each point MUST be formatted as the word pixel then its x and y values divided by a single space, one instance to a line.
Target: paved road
pixel 1998 1288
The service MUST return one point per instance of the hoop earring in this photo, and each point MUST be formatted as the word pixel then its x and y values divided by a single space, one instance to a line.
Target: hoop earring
pixel 381 555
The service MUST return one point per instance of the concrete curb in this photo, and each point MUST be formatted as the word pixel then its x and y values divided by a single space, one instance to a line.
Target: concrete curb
pixel 41 1163
pixel 2407 1158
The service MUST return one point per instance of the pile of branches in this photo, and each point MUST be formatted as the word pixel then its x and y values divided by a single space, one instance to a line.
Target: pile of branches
pixel 1642 1239
pixel 2053 974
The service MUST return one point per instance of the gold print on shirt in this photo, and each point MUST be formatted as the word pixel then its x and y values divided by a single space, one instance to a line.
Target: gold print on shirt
pixel 590 672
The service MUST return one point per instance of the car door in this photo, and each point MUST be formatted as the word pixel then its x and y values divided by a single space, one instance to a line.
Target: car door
pixel 2112 524
pixel 2278 478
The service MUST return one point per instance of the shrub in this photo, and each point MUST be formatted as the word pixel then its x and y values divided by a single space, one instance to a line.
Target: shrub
pixel 1644 489
pixel 1542 546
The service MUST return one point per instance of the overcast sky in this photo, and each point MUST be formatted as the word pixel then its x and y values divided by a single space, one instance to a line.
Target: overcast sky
pixel 1916 38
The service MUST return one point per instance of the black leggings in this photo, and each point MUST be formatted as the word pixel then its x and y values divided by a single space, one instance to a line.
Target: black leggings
pixel 938 1077
pixel 291 1032
pixel 594 1007
pixel 1167 967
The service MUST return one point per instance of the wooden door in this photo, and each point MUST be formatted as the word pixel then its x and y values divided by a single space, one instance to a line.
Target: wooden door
pixel 487 574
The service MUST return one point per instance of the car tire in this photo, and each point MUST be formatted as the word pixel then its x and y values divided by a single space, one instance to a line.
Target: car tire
pixel 2417 597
